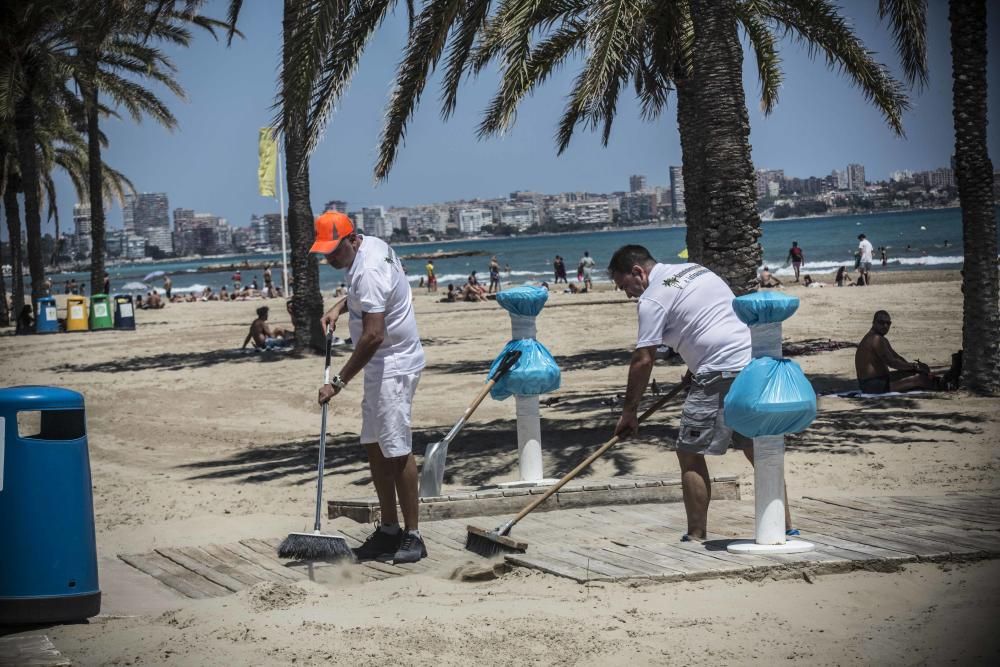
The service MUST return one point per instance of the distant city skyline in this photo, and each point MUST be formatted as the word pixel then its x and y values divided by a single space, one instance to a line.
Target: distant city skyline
pixel 209 164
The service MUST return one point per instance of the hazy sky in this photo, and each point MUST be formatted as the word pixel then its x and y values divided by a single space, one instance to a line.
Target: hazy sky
pixel 209 163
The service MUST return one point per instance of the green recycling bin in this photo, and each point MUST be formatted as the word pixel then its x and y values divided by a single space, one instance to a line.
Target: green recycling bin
pixel 100 312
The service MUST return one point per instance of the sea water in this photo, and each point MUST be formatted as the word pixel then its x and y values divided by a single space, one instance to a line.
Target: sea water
pixel 917 240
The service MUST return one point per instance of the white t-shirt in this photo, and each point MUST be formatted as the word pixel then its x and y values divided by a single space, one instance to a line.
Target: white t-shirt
pixel 376 284
pixel 866 250
pixel 689 308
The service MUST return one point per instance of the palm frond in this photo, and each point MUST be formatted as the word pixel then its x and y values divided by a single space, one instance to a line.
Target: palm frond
pixel 765 52
pixel 820 27
pixel 471 23
pixel 908 19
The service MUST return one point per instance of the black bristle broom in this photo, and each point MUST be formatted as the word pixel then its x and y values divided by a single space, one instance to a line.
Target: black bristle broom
pixel 489 543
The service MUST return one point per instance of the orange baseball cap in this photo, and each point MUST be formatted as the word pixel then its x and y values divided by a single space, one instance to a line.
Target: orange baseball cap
pixel 331 227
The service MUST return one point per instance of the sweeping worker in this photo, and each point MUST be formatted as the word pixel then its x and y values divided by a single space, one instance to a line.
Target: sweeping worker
pixel 690 309
pixel 387 347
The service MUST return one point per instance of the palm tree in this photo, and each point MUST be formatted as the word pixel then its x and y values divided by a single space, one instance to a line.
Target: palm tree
pixel 112 40
pixel 691 47
pixel 974 172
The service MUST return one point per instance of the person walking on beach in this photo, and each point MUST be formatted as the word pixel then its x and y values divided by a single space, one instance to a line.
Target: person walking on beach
pixel 796 257
pixel 387 347
pixel 168 287
pixel 267 281
pixel 587 263
pixel 559 268
pixel 865 249
pixel 494 275
pixel 690 309
pixel 885 255
pixel 237 281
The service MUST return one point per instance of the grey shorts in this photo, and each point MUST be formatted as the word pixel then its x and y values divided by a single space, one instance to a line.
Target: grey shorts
pixel 703 427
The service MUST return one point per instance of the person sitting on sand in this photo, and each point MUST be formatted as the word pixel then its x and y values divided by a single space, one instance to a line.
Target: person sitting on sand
pixel 809 282
pixel 573 289
pixel 154 301
pixel 473 293
pixel 767 279
pixel 875 356
pixel 223 294
pixel 25 321
pixel 265 337
pixel 451 296
pixel 843 278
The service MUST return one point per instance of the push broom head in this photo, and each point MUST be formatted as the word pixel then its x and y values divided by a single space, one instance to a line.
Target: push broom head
pixel 489 543
pixel 315 546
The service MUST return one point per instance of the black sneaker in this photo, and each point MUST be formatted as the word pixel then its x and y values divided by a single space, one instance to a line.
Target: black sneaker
pixel 411 549
pixel 380 545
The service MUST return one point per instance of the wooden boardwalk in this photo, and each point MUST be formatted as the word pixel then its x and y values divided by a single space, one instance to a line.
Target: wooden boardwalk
pixel 636 542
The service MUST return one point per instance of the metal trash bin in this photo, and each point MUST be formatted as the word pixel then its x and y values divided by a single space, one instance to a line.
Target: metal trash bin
pixel 46 316
pixel 124 312
pixel 48 551
pixel 76 313
pixel 100 312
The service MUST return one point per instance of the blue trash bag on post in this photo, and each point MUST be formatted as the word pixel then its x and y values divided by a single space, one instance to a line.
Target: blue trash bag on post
pixel 765 307
pixel 770 397
pixel 536 372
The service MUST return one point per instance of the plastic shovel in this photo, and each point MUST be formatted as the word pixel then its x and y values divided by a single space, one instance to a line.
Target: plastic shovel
pixel 432 471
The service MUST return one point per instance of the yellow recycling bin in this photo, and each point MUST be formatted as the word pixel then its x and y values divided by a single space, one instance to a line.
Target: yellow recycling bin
pixel 76 313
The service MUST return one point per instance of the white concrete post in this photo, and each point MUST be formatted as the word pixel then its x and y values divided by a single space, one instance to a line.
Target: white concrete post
pixel 529 423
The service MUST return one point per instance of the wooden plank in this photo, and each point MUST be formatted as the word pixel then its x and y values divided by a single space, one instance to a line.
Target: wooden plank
pixel 249 572
pixel 863 551
pixel 174 576
pixel 668 565
pixel 873 536
pixel 589 563
pixel 238 572
pixel 262 548
pixel 916 512
pixel 974 503
pixel 31 651
pixel 955 512
pixel 942 535
pixel 202 569
pixel 547 563
pixel 263 562
pixel 639 567
pixel 885 510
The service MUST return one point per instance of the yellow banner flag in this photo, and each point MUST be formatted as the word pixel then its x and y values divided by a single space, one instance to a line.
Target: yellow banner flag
pixel 683 254
pixel 268 152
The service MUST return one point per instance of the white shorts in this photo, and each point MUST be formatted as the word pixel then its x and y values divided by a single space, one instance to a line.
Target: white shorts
pixel 385 413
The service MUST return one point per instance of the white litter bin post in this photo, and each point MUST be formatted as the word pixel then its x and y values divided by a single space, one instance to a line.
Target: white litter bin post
pixel 764 318
pixel 523 304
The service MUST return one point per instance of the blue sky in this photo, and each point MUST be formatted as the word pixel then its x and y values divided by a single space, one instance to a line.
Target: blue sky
pixel 209 163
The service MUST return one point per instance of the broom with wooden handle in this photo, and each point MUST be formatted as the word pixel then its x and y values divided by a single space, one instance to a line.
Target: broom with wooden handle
pixel 492 542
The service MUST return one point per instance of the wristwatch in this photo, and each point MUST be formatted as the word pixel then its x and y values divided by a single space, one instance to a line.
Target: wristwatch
pixel 338 382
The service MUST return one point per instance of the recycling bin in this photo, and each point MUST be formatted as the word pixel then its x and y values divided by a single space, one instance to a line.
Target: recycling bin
pixel 46 317
pixel 76 313
pixel 124 312
pixel 48 551
pixel 100 312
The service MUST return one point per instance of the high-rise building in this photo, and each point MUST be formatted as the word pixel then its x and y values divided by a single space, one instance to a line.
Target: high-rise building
pixel 764 178
pixel 272 221
pixel 636 183
pixel 81 228
pixel 335 205
pixel 147 215
pixel 201 233
pixel 258 231
pixel 856 177
pixel 471 220
pixel 677 191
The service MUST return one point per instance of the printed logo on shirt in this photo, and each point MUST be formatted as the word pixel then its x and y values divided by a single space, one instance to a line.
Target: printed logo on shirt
pixel 685 277
pixel 390 259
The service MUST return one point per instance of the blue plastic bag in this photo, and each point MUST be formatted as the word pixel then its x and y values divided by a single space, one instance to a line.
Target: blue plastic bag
pixel 526 301
pixel 770 397
pixel 765 307
pixel 534 373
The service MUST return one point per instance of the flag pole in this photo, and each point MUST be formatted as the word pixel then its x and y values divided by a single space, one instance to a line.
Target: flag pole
pixel 281 204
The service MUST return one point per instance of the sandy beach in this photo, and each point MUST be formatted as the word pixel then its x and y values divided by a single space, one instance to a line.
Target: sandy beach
pixel 193 441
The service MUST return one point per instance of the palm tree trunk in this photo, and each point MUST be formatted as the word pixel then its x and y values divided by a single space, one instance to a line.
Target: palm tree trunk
pixel 4 312
pixel 691 156
pixel 16 254
pixel 974 173
pixel 307 301
pixel 24 123
pixel 725 188
pixel 95 183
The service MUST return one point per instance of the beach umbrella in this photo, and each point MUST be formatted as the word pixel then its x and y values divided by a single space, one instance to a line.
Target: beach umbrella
pixel 154 274
pixel 134 286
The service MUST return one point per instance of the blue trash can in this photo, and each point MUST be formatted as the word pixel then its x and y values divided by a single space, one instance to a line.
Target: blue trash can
pixel 124 312
pixel 46 319
pixel 48 552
